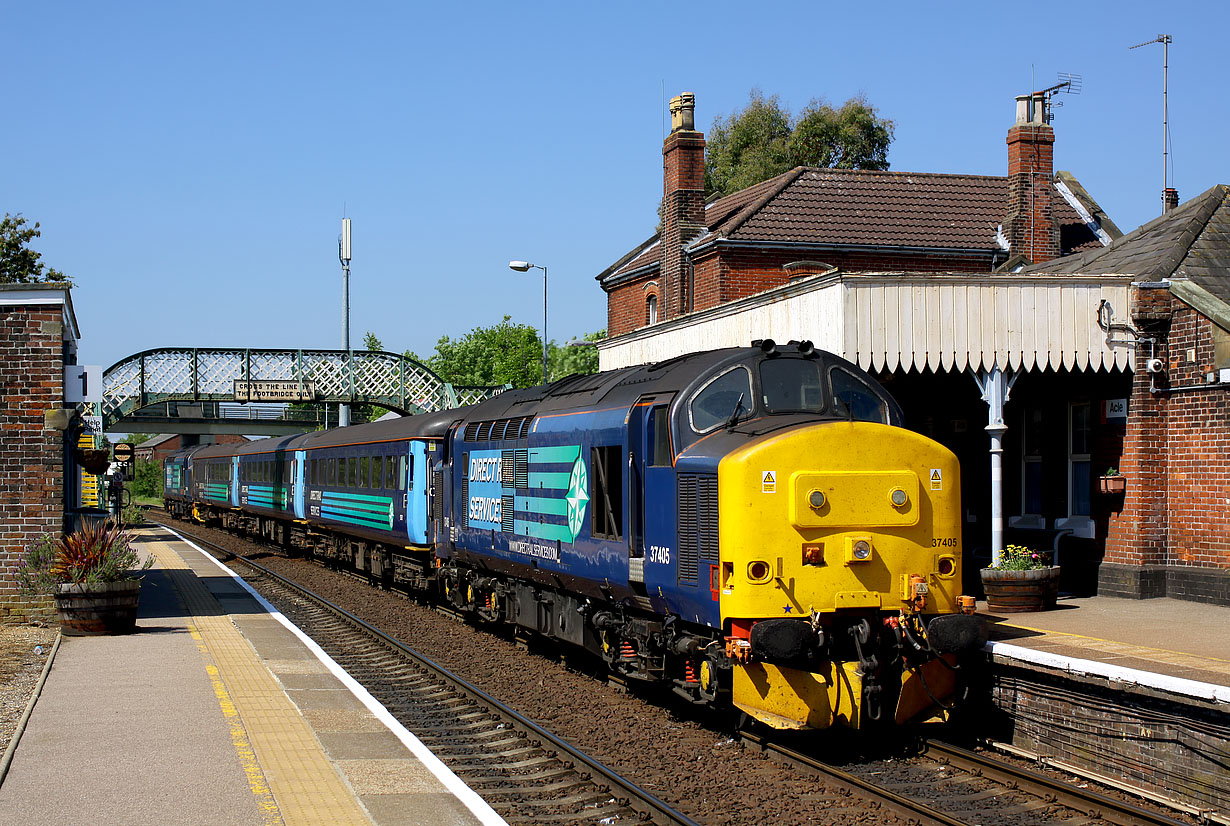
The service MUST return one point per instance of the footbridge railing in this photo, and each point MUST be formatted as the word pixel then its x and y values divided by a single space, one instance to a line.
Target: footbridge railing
pixel 193 374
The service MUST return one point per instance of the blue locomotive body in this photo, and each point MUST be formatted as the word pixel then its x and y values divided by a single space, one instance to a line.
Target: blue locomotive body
pixel 685 521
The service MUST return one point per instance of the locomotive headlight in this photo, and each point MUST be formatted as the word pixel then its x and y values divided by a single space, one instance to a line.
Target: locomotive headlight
pixel 899 498
pixel 858 549
pixel 816 499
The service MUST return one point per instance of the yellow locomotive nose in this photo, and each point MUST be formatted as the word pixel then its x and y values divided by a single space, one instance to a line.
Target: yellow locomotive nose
pixel 861 523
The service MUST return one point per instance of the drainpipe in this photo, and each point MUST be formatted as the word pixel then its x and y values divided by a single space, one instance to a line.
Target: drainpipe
pixel 996 389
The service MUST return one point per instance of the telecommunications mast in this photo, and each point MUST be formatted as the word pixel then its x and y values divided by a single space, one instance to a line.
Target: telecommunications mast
pixel 343 255
pixel 1165 40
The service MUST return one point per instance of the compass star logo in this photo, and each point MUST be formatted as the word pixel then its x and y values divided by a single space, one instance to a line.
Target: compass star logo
pixel 577 497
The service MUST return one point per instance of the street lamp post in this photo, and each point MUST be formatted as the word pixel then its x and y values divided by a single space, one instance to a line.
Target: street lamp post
pixel 526 266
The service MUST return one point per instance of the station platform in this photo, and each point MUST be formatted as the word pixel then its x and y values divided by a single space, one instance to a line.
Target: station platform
pixel 217 711
pixel 1168 646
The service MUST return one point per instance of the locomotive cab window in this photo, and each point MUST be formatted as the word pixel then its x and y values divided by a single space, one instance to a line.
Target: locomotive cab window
pixel 855 399
pixel 606 492
pixel 726 398
pixel 791 386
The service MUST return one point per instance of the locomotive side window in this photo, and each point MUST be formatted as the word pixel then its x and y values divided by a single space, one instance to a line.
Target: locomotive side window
pixel 606 492
pixel 725 398
pixel 856 399
pixel 405 473
pixel 791 386
pixel 660 438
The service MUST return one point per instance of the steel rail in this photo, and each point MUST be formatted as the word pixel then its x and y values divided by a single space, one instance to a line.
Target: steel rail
pixel 638 799
pixel 1092 803
pixel 911 810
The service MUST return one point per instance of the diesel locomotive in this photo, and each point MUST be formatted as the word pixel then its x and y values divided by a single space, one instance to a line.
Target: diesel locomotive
pixel 746 525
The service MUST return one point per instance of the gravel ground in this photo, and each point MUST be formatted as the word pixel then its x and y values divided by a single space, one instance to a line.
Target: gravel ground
pixel 23 652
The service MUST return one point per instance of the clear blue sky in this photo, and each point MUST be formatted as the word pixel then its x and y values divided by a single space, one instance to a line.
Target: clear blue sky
pixel 190 163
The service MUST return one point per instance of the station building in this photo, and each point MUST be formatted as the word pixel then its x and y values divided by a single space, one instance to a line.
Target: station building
pixel 993 308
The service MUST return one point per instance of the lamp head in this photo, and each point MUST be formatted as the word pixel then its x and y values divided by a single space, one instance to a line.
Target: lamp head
pixel 520 266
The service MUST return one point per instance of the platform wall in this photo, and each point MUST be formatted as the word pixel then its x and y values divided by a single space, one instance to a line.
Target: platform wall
pixel 31 451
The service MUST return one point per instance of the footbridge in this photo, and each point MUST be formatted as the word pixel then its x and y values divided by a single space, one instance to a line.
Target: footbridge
pixel 229 390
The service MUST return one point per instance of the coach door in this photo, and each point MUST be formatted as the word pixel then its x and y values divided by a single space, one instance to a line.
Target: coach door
pixel 651 493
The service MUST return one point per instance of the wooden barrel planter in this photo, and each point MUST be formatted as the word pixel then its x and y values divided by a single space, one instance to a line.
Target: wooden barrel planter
pixel 1011 592
pixel 96 609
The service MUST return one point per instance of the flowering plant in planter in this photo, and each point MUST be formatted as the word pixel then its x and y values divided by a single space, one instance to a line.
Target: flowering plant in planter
pixel 1020 558
pixel 1024 580
pixel 97 553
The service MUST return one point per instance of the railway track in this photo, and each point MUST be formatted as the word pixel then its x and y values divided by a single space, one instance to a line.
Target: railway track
pixel 965 787
pixel 943 785
pixel 525 773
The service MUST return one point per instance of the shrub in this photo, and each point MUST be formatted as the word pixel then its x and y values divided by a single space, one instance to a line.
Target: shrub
pixel 98 552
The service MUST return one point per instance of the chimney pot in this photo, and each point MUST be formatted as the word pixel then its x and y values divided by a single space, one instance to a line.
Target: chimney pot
pixel 1170 197
pixel 683 112
pixel 1022 109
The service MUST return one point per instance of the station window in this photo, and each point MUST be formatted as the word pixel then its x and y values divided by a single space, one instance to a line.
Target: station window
pixel 1031 461
pixel 651 310
pixel 1079 434
pixel 606 491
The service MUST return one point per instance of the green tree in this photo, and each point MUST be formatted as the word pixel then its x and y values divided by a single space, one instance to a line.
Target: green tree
pixel 570 360
pixel 764 139
pixel 506 353
pixel 147 479
pixel 18 263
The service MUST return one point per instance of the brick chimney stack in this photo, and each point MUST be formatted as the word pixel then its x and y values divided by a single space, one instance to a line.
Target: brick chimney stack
pixel 1030 225
pixel 683 204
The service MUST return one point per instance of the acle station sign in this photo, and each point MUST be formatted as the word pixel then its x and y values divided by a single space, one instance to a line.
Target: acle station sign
pixel 248 390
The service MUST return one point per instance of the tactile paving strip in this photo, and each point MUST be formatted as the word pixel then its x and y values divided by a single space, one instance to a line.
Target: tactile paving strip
pixel 285 760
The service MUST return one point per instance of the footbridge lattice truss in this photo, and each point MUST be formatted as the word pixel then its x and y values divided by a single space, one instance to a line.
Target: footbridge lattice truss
pixel 332 376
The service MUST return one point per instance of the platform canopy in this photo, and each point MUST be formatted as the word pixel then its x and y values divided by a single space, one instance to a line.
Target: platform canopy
pixel 910 321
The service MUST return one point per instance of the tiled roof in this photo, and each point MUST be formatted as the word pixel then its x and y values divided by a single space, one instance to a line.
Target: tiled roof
pixel 1190 243
pixel 868 207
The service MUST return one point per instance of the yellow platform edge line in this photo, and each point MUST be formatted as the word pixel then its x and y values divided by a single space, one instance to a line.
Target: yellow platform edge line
pixel 1045 632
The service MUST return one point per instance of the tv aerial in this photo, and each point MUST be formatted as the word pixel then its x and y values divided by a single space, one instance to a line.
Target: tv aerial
pixel 1068 83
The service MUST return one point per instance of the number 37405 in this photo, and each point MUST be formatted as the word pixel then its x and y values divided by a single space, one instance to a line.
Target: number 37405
pixel 944 542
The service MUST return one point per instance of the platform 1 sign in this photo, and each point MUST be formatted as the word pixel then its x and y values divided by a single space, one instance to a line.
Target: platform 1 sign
pixel 270 390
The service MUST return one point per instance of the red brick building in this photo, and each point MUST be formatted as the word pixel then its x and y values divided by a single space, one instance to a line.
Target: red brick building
pixel 38 338
pixel 1020 282
pixel 159 447
pixel 1169 533
pixel 811 220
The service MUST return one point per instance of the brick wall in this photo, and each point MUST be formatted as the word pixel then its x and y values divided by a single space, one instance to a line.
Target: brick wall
pixel 1172 536
pixel 31 454
pixel 1152 742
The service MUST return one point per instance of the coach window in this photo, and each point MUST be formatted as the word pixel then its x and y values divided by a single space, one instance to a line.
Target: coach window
pixel 365 472
pixel 405 474
pixel 725 398
pixel 606 492
pixel 331 472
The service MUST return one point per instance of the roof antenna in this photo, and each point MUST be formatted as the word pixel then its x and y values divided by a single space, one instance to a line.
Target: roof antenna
pixel 1165 40
pixel 1069 83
